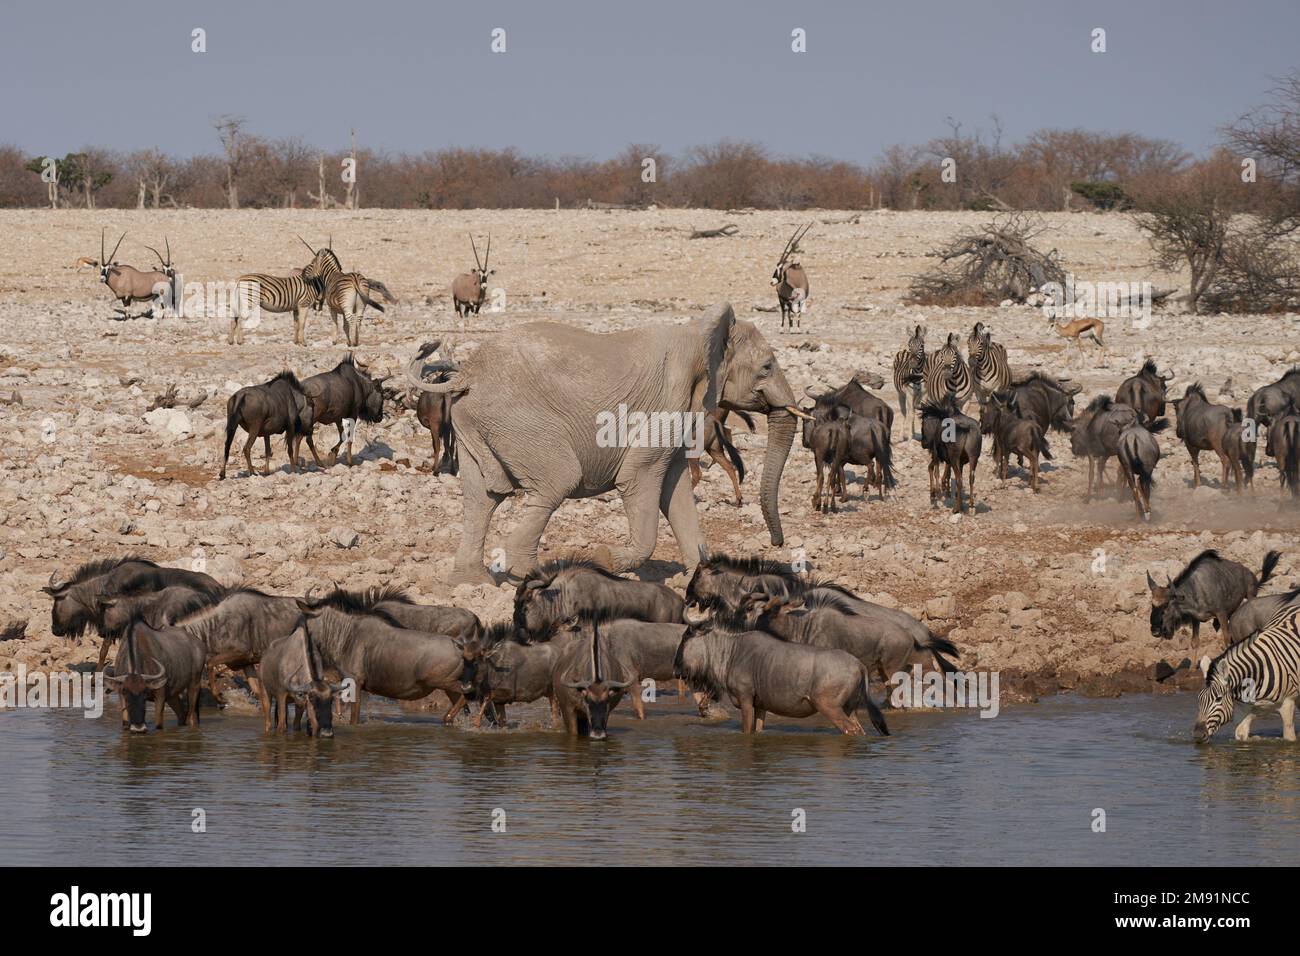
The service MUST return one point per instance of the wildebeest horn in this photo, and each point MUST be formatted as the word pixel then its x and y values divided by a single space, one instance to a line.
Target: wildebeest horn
pixel 475 248
pixel 1151 582
pixel 577 685
pixel 158 678
pixel 297 688
pixel 309 597
pixel 55 583
pixel 110 676
pixel 617 684
pixel 307 244
pixel 1168 376
pixel 534 585
pixel 808 390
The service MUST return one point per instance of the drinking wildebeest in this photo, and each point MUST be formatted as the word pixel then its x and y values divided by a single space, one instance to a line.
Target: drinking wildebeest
pixel 719 447
pixel 1095 435
pixel 726 585
pixel 1203 426
pixel 953 440
pixel 388 660
pixel 1138 452
pixel 1210 587
pixel 561 589
pixel 1255 613
pixel 760 673
pixel 1284 444
pixel 292 670
pixel 1146 391
pixel 1273 400
pixel 513 673
pixel 845 438
pixel 158 609
pixel 791 282
pixel 280 407
pixel 77 600
pixel 165 664
pixel 1048 401
pixel 583 678
pixel 1262 671
pixel 1012 435
pixel 342 397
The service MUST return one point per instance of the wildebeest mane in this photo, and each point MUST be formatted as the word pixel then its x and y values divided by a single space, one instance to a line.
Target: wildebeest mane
pixel 287 376
pixel 362 602
pixel 93 569
pixel 1149 368
pixel 1207 555
pixel 749 565
pixel 1101 403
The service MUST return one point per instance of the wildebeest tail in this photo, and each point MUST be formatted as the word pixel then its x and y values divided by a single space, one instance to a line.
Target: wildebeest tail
pixel 1291 463
pixel 938 646
pixel 1141 472
pixel 233 408
pixel 1040 440
pixel 886 458
pixel 1270 565
pixel 861 700
pixel 450 463
pixel 731 451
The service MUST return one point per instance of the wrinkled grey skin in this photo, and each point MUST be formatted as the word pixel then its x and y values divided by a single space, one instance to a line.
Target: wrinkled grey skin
pixel 343 394
pixel 1146 391
pixel 165 664
pixel 872 632
pixel 760 673
pixel 1204 426
pixel 456 622
pixel 1210 587
pixel 78 600
pixel 278 407
pixel 391 661
pixel 292 670
pixel 526 417
pixel 156 608
pixel 1256 613
pixel 560 590
pixel 1044 400
pixel 590 675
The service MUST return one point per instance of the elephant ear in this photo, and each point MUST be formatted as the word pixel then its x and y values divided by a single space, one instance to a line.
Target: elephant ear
pixel 715 328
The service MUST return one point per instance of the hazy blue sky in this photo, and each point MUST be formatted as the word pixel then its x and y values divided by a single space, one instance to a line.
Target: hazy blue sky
pixel 587 78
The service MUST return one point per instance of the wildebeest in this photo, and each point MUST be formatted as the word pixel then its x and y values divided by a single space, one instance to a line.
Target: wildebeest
pixel 1203 426
pixel 561 589
pixel 77 601
pixel 1013 435
pixel 165 664
pixel 645 648
pixel 1284 444
pixel 791 282
pixel 1095 435
pixel 445 619
pixel 760 673
pixel 342 397
pixel 854 396
pixel 726 585
pixel 469 289
pixel 1138 452
pixel 388 660
pixel 844 438
pixel 510 672
pixel 718 446
pixel 585 678
pixel 433 409
pixel 1255 613
pixel 158 609
pixel 1046 400
pixel 1210 587
pixel 1273 400
pixel 1146 391
pixel 954 442
pixel 292 670
pixel 279 407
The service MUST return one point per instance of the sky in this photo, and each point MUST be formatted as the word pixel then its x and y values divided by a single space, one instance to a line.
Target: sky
pixel 588 78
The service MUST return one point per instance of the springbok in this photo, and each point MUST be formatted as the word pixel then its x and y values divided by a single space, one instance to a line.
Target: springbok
pixel 791 282
pixel 1078 329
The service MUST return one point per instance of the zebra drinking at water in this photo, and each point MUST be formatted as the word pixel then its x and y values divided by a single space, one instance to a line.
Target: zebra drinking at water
pixel 1262 672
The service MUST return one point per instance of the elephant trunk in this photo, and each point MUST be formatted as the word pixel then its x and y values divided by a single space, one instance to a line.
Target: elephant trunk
pixel 780 436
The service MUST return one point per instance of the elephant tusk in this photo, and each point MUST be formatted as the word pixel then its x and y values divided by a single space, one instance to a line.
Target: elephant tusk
pixel 798 412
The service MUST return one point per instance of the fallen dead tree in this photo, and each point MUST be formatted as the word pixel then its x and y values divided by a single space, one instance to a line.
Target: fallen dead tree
pixel 989 265
pixel 725 232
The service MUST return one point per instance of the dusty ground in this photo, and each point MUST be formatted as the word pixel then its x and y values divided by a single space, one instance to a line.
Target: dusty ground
pixel 1046 587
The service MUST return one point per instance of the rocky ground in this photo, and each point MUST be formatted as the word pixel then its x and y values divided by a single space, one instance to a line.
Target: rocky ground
pixel 1047 588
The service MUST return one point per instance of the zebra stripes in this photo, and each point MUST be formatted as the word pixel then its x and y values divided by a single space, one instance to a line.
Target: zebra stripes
pixel 346 293
pixel 909 365
pixel 1263 672
pixel 260 292
pixel 945 373
pixel 988 362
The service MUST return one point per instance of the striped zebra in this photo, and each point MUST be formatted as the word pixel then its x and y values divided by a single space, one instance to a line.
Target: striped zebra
pixel 988 363
pixel 945 373
pixel 259 292
pixel 1263 672
pixel 345 293
pixel 908 366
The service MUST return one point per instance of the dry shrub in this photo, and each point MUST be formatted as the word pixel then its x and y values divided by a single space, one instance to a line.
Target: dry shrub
pixel 988 265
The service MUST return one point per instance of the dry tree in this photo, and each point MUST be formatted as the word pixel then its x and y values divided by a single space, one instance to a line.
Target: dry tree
pixel 989 265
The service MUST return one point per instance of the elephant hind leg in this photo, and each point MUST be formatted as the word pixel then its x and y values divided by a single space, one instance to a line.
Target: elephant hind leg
pixel 480 504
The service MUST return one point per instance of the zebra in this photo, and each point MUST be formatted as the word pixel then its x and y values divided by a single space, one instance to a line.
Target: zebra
pixel 908 366
pixel 988 363
pixel 267 293
pixel 346 293
pixel 1263 671
pixel 946 373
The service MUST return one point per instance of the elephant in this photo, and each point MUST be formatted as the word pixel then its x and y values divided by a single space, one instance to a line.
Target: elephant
pixel 527 410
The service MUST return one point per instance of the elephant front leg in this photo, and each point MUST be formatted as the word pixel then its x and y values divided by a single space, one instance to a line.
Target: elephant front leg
pixel 521 551
pixel 479 504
